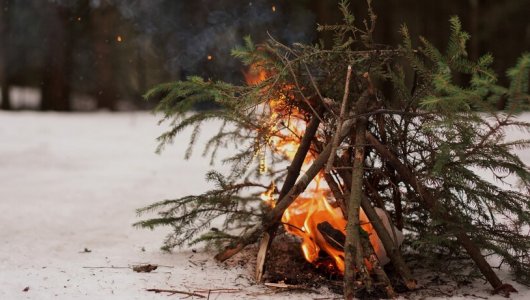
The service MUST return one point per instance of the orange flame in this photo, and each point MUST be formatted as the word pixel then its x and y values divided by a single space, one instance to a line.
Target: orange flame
pixel 255 74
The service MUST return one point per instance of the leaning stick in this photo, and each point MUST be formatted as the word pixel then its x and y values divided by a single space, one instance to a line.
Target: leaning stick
pixel 277 212
pixel 275 215
pixel 337 193
pixel 353 252
pixel 377 269
pixel 342 116
pixel 292 174
pixel 392 251
pixel 296 165
pixel 431 203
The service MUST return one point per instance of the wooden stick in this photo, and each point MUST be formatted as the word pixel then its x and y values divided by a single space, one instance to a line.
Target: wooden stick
pixel 263 249
pixel 342 115
pixel 111 267
pixel 430 202
pixel 248 237
pixel 392 251
pixel 173 292
pixel 276 214
pixel 337 193
pixel 320 97
pixel 353 254
pixel 378 271
pixel 292 174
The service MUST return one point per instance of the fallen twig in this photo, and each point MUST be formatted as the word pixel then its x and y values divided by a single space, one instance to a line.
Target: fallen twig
pixel 111 267
pixel 173 292
pixel 144 268
pixel 282 285
pixel 218 291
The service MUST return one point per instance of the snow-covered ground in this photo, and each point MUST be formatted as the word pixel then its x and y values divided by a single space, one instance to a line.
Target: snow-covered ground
pixel 70 182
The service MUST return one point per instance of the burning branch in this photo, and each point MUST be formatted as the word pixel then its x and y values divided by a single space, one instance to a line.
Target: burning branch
pixel 292 174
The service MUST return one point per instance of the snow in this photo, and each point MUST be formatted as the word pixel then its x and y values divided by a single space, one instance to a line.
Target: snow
pixel 73 181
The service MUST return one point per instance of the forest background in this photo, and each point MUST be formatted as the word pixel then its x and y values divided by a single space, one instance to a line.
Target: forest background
pixel 86 55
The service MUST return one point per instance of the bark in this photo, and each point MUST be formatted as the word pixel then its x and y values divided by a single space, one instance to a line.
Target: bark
pixel 391 249
pixel 376 268
pixel 353 254
pixel 302 183
pixel 431 204
pixel 294 169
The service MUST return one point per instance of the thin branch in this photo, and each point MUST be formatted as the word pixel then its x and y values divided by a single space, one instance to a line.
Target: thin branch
pixel 343 108
pixel 173 292
pixel 317 90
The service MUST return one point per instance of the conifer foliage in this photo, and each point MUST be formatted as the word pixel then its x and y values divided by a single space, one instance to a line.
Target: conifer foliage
pixel 434 153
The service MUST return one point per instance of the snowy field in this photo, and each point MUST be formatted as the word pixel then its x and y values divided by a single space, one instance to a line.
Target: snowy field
pixel 69 187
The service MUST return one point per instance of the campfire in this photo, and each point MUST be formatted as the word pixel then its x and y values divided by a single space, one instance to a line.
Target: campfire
pixel 355 151
pixel 315 216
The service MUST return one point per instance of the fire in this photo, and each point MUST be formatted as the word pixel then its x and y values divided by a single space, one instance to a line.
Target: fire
pixel 320 226
pixel 304 218
pixel 255 74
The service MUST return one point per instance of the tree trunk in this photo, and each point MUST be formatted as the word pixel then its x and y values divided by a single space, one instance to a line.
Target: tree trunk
pixel 104 39
pixel 55 89
pixel 4 54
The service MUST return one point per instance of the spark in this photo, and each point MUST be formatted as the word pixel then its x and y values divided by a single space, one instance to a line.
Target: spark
pixel 119 39
pixel 274 8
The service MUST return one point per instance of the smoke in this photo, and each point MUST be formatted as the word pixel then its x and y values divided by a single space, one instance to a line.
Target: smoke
pixel 196 37
pixel 188 32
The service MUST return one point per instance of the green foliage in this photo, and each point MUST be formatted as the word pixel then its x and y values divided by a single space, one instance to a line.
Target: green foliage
pixel 468 149
pixel 191 215
pixel 520 78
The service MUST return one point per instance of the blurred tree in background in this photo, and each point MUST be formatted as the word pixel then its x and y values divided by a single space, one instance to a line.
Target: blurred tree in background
pixel 104 54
